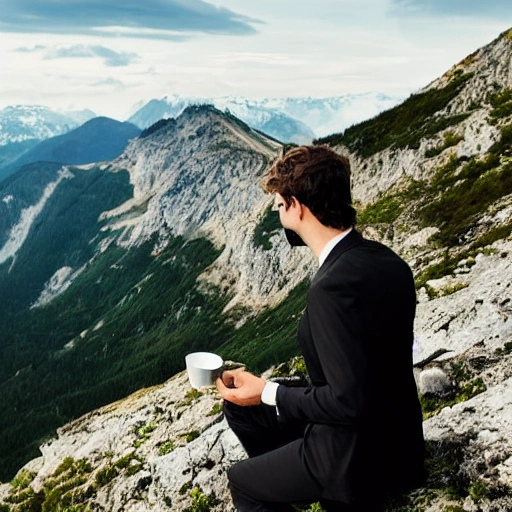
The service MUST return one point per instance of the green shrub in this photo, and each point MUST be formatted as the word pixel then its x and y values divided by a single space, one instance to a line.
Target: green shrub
pixel 437 270
pixel 166 447
pixel 142 434
pixel 200 501
pixel 479 491
pixel 216 409
pixel 479 185
pixel 190 436
pixel 67 464
pixel 185 487
pixel 295 367
pixel 432 405
pixel 22 480
pixel 507 349
pixel 496 233
pixel 105 475
pixel 191 396
pixel 502 103
pixel 125 461
pixel 386 209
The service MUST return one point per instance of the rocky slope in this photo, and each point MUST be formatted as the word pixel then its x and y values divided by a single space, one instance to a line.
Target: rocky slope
pixel 228 201
pixel 168 447
pixel 267 120
pixel 487 71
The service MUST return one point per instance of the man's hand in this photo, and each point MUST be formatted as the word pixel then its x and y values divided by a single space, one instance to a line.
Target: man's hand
pixel 240 387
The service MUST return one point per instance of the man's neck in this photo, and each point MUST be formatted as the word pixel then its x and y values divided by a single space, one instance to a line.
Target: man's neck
pixel 318 241
pixel 330 245
pixel 315 234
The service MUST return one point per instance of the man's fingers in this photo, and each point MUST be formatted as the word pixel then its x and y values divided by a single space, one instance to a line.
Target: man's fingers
pixel 227 376
pixel 223 389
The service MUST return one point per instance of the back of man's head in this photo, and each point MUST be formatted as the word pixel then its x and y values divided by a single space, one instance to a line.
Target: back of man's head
pixel 318 178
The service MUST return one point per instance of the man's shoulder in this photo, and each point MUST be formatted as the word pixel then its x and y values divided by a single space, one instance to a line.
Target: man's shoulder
pixel 367 257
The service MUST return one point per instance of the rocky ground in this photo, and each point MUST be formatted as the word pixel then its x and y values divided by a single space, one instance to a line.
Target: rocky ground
pixel 168 447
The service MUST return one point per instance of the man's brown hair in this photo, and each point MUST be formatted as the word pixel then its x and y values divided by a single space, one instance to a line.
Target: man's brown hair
pixel 318 178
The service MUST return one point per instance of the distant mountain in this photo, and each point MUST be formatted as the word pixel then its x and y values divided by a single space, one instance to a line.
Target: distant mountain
pixel 12 150
pixel 298 120
pixel 27 122
pixel 268 120
pixel 97 140
pixel 23 126
pixel 330 115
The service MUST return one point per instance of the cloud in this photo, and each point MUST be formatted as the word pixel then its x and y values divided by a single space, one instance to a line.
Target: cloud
pixel 34 49
pixel 108 81
pixel 111 58
pixel 158 19
pixel 495 9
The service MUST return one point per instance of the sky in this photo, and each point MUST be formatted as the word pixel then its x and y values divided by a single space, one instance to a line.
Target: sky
pixel 111 55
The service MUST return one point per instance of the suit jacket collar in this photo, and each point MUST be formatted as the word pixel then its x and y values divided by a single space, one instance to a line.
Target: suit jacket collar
pixel 346 243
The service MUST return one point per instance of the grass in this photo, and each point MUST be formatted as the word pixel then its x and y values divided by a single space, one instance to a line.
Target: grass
pixel 142 434
pixel 446 266
pixel 467 385
pixel 200 501
pixel 388 207
pixel 446 480
pixel 65 489
pixel 191 396
pixel 190 436
pixel 166 447
pixel 479 184
pixel 501 103
pixel 268 226
pixel 216 409
pixel 432 405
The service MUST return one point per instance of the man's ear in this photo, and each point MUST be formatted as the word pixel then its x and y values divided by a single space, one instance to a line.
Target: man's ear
pixel 295 203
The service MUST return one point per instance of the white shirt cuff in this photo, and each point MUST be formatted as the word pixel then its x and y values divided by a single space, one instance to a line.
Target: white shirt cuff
pixel 268 395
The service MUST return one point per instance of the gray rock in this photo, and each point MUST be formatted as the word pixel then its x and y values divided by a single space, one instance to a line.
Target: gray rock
pixel 434 381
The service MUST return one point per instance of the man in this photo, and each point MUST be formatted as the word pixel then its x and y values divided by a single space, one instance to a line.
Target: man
pixel 354 435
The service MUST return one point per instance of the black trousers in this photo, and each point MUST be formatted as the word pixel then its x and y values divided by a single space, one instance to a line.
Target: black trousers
pixel 274 476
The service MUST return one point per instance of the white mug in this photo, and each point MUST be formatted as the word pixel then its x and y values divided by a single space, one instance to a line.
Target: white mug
pixel 203 368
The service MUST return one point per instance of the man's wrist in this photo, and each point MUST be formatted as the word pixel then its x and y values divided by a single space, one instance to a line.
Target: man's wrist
pixel 268 395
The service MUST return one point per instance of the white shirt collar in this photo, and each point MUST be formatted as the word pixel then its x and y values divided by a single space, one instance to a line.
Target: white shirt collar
pixel 329 246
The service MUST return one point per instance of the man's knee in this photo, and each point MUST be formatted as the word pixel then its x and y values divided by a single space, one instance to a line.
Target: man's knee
pixel 234 478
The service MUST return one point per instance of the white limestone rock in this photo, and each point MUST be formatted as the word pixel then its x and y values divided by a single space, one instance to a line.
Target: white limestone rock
pixel 434 381
pixel 479 313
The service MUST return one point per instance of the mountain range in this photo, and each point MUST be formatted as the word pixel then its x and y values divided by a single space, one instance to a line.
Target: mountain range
pixel 111 272
pixel 297 120
pixel 96 140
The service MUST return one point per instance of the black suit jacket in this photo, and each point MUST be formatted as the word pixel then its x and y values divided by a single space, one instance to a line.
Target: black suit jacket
pixel 364 430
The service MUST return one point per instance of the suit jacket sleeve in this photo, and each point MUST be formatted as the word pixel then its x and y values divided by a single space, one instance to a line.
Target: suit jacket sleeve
pixel 338 322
